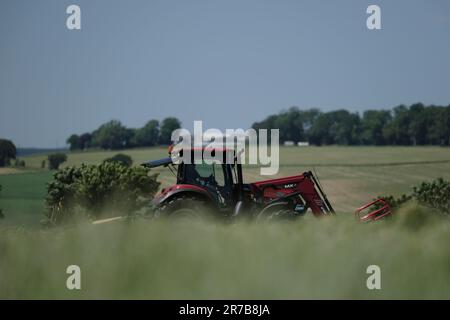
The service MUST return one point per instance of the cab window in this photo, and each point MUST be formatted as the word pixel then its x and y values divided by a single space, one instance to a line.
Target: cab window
pixel 208 174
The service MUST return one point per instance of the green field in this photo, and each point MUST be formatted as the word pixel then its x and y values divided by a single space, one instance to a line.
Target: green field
pixel 22 198
pixel 350 176
pixel 308 258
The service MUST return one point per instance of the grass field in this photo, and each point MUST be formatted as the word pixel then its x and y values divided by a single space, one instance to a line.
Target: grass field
pixel 350 176
pixel 309 258
pixel 22 198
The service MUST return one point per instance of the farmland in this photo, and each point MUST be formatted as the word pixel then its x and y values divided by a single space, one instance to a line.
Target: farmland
pixel 351 176
pixel 308 258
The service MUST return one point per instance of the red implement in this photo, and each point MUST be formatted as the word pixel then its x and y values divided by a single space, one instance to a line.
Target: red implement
pixel 382 209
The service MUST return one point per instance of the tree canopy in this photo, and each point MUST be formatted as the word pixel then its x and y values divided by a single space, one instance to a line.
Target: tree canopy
pixel 148 135
pixel 414 125
pixel 113 135
pixel 7 152
pixel 403 125
pixel 167 127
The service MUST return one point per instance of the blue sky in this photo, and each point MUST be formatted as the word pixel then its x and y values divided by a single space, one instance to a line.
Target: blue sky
pixel 226 62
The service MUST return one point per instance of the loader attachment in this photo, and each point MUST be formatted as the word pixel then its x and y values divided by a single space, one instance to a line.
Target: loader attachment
pixel 373 211
pixel 306 187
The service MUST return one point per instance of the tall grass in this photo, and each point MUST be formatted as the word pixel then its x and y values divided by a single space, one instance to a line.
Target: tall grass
pixel 171 259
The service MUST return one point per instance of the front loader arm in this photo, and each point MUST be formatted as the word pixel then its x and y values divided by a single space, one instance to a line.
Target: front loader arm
pixel 304 186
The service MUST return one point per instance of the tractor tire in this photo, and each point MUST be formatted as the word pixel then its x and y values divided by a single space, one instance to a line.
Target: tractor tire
pixel 185 206
pixel 276 211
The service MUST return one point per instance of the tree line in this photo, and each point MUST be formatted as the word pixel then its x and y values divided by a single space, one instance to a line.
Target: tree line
pixel 403 125
pixel 114 135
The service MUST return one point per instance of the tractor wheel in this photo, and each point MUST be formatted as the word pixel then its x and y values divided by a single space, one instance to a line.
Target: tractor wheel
pixel 278 210
pixel 184 206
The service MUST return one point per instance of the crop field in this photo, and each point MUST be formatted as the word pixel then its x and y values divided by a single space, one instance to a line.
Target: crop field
pixel 307 258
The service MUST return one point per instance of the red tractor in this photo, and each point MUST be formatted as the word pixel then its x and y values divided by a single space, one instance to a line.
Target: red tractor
pixel 220 186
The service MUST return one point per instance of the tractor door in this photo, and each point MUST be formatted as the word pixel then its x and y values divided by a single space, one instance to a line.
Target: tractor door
pixel 214 178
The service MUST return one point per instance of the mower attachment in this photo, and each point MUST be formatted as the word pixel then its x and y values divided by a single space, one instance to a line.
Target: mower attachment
pixel 382 209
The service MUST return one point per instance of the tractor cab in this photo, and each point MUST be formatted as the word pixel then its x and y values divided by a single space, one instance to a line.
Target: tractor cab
pixel 215 178
pixel 218 182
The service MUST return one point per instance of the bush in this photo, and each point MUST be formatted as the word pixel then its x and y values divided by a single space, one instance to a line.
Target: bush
pixel 434 194
pixel 43 164
pixel 121 158
pixel 20 163
pixel 55 160
pixel 99 190
pixel 395 202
